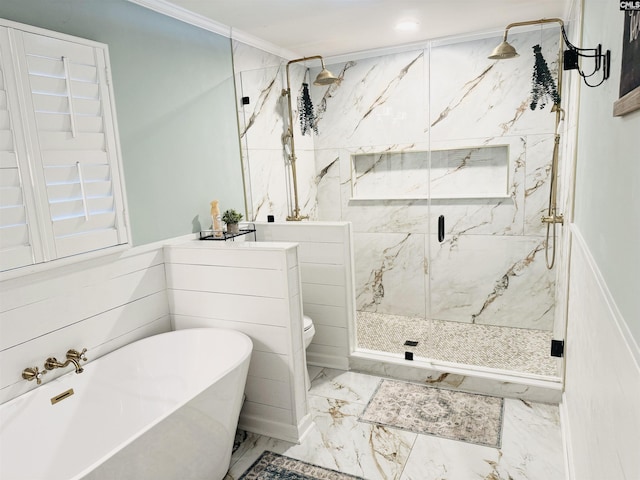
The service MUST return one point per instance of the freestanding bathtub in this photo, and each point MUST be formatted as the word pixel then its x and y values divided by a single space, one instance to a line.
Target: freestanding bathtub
pixel 165 407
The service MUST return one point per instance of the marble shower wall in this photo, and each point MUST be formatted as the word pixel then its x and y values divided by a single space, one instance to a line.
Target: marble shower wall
pixel 260 78
pixel 490 269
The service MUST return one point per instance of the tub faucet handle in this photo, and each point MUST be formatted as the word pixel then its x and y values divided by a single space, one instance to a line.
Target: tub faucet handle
pixel 73 353
pixel 33 373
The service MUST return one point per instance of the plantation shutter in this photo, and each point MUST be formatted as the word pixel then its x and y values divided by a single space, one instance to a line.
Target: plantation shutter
pixel 72 143
pixel 16 249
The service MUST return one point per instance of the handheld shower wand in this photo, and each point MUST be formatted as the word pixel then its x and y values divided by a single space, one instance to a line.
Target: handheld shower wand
pixel 505 51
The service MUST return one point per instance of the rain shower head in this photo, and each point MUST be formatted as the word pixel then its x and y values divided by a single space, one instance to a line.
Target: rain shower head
pixel 503 51
pixel 325 77
pixel 567 58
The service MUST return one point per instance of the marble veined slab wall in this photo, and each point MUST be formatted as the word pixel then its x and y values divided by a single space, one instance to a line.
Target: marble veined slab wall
pixel 263 118
pixel 490 268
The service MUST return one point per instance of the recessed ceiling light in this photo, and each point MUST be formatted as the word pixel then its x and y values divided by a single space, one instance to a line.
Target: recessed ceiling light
pixel 407 25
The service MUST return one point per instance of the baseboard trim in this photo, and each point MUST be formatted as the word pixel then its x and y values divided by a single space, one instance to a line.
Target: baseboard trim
pixel 327 361
pixel 281 431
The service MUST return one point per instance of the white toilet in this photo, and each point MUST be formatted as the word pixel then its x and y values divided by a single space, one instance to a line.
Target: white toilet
pixel 309 332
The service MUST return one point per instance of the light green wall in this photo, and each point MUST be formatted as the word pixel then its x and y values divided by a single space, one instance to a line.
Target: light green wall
pixel 175 103
pixel 607 203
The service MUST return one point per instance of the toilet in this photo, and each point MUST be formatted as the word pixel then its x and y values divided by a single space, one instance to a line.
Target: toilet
pixel 309 332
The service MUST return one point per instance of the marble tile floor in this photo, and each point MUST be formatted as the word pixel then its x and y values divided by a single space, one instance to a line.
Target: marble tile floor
pixel 500 347
pixel 531 443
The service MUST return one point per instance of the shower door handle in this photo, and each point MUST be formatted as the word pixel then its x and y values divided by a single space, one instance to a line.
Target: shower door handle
pixel 441 228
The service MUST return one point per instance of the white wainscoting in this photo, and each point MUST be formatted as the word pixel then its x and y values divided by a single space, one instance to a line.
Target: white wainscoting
pixel 99 304
pixel 601 403
pixel 326 270
pixel 254 288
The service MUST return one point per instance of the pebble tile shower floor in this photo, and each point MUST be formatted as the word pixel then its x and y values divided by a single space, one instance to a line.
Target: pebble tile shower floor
pixel 504 348
pixel 531 440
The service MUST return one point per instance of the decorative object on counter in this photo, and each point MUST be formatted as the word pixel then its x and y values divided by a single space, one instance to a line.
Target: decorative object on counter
pixel 216 224
pixel 543 86
pixel 226 235
pixel 231 218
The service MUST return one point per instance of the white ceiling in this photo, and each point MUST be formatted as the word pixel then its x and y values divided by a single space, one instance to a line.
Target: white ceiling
pixel 335 27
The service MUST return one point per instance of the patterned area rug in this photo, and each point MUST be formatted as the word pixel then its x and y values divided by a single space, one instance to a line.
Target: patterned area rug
pixel 273 466
pixel 467 417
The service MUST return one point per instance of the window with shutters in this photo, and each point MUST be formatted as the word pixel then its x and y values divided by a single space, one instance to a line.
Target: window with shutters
pixel 61 192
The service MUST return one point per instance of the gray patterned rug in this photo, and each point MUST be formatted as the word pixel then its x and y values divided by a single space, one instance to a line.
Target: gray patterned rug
pixel 467 417
pixel 273 466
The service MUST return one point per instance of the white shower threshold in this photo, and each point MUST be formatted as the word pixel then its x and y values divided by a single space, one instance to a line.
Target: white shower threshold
pixel 488 381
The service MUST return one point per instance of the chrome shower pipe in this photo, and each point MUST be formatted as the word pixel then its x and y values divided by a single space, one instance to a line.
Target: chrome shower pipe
pixel 288 135
pixel 552 217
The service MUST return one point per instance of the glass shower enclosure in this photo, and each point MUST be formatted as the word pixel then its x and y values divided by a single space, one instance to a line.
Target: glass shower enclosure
pixel 449 245
pixel 436 159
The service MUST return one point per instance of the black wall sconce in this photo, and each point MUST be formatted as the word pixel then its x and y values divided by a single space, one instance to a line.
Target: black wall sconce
pixel 573 53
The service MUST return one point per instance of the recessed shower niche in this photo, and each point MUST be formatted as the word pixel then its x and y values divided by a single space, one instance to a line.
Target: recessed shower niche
pixel 470 172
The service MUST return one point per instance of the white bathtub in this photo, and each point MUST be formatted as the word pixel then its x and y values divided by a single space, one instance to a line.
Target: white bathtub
pixel 165 407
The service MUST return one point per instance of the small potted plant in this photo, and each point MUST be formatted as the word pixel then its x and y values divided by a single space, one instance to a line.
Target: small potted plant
pixel 231 218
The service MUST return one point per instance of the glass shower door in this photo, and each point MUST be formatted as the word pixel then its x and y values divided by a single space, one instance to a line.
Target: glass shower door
pixel 491 295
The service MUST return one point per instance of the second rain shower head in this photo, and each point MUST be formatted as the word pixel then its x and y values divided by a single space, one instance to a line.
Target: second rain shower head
pixel 503 51
pixel 325 77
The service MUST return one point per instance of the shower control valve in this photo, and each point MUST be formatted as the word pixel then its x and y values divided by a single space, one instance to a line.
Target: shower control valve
pixel 553 219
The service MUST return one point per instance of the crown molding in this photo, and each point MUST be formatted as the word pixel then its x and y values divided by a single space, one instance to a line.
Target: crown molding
pixel 426 43
pixel 248 39
pixel 168 9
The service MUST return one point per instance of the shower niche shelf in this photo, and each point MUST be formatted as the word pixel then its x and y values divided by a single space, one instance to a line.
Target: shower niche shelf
pixel 223 235
pixel 457 173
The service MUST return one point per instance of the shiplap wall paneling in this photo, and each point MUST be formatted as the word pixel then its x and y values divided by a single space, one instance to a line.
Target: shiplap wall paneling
pixel 326 270
pixel 253 288
pixel 99 304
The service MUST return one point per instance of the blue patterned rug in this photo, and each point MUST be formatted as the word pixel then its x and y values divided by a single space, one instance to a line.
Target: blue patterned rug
pixel 467 417
pixel 273 466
